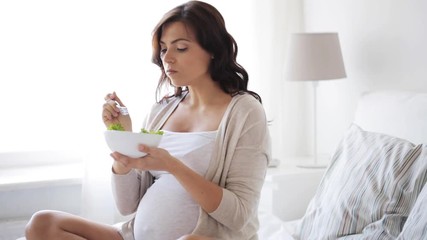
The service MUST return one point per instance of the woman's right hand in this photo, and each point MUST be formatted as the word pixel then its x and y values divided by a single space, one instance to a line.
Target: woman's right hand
pixel 111 113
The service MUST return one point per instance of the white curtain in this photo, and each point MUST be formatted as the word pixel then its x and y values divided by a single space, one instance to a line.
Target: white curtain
pixel 284 101
pixel 59 58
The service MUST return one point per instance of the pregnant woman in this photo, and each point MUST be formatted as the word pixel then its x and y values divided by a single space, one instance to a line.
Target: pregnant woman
pixel 204 179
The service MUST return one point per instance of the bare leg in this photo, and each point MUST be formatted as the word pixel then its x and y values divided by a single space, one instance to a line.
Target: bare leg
pixel 49 225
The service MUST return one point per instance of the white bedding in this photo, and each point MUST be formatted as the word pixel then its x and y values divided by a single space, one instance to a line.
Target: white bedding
pixel 272 228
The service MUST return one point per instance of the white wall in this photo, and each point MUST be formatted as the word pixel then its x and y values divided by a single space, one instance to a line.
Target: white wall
pixel 383 44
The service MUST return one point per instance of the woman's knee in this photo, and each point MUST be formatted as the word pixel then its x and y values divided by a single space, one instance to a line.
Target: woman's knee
pixel 40 224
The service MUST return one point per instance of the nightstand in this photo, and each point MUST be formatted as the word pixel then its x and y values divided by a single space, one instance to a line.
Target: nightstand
pixel 288 190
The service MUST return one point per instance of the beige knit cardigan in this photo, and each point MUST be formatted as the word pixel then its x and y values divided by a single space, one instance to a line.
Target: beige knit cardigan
pixel 238 165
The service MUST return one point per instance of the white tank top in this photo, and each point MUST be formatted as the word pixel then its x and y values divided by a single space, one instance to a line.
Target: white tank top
pixel 167 211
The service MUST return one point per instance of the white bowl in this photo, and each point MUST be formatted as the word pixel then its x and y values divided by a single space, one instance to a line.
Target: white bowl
pixel 126 142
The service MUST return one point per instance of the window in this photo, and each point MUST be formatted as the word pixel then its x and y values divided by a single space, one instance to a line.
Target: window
pixel 58 59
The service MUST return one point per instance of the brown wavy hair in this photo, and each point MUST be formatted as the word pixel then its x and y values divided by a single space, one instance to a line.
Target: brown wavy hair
pixel 209 27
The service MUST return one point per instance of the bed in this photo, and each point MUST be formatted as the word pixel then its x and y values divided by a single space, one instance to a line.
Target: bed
pixel 374 185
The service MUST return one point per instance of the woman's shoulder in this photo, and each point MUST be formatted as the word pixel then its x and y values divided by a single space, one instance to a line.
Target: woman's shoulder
pixel 246 100
pixel 246 105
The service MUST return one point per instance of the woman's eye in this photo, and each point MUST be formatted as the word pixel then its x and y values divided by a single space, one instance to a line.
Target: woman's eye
pixel 164 50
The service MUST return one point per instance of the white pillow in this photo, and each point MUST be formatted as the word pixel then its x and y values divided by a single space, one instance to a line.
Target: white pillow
pixel 368 189
pixel 401 114
pixel 416 224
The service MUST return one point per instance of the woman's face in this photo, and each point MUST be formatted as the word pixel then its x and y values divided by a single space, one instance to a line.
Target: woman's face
pixel 184 60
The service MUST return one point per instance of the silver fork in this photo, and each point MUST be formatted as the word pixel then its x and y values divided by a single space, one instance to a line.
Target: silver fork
pixel 123 110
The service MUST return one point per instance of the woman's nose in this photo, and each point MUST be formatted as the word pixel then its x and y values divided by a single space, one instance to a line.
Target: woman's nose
pixel 168 57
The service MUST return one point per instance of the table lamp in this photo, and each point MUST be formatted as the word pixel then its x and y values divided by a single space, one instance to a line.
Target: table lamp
pixel 314 57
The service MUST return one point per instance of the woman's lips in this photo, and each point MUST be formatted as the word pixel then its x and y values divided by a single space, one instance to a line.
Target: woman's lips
pixel 170 71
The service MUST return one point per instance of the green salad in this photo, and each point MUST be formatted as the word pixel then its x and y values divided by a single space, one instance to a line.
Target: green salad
pixel 116 126
pixel 158 132
pixel 119 127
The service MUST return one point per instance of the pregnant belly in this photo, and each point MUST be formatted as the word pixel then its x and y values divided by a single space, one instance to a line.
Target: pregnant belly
pixel 165 212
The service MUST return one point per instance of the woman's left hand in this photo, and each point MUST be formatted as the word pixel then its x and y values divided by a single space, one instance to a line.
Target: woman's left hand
pixel 156 159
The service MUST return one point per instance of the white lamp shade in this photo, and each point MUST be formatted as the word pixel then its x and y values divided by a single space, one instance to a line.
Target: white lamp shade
pixel 313 57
